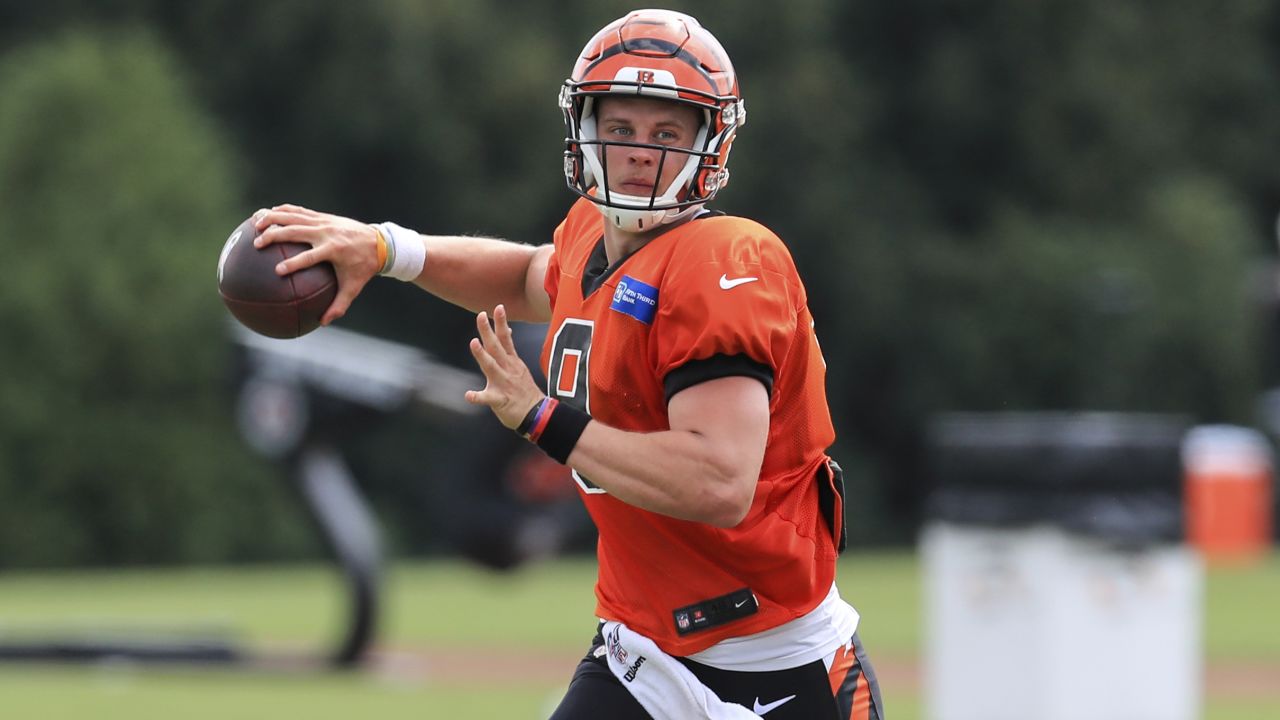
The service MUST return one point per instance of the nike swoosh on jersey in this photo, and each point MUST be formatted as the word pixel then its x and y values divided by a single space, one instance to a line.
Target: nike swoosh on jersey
pixel 759 709
pixel 727 284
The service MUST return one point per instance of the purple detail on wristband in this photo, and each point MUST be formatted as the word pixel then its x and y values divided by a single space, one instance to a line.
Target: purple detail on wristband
pixel 540 420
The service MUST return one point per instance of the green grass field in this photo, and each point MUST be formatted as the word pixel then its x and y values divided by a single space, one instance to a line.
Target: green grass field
pixel 458 642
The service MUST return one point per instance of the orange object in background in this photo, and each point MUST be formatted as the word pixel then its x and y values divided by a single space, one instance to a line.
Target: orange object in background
pixel 1228 474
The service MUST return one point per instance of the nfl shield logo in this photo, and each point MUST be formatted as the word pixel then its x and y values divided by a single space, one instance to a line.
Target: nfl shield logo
pixel 682 621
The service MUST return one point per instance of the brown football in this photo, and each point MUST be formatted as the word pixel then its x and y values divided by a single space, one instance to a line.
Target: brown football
pixel 267 303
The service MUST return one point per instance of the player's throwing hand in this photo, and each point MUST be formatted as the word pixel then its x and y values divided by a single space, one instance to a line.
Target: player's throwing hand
pixel 510 390
pixel 348 244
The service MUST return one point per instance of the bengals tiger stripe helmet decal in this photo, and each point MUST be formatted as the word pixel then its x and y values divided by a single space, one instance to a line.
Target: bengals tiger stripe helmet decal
pixel 658 54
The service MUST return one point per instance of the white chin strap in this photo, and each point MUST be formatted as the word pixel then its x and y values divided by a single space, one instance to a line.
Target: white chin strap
pixel 631 213
pixel 639 220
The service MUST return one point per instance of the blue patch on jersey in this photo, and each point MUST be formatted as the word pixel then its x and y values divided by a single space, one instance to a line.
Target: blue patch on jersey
pixel 635 298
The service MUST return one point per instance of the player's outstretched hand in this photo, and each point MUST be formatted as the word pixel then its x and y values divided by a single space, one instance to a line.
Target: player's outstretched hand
pixel 351 246
pixel 509 391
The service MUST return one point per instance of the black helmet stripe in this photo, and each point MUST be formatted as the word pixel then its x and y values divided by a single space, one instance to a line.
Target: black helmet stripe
pixel 655 45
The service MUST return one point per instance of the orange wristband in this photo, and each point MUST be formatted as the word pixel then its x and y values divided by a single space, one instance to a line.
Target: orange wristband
pixel 382 249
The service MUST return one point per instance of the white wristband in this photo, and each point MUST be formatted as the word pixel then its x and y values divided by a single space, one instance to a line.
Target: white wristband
pixel 406 253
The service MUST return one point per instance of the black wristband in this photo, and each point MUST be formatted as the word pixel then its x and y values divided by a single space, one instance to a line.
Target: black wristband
pixel 564 427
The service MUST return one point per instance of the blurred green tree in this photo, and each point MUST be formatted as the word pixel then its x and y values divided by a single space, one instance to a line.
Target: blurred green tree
pixel 116 442
pixel 1055 205
pixel 1000 205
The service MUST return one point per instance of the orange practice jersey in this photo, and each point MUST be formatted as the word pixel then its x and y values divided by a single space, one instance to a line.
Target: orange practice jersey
pixel 678 311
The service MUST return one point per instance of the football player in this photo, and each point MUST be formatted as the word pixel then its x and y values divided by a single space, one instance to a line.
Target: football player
pixel 685 388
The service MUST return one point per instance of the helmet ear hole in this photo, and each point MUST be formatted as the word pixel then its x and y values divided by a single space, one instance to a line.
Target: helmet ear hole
pixel 573 167
pixel 712 181
pixel 703 183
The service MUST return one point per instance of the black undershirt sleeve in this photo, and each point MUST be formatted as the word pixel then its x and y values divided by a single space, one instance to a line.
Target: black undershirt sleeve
pixel 716 366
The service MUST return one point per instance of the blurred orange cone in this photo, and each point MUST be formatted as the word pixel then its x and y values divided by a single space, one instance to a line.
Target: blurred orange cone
pixel 1228 474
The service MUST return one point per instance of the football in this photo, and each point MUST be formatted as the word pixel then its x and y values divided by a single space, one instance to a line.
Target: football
pixel 277 306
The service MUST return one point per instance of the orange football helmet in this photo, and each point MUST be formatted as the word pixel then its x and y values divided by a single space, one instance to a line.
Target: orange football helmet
pixel 659 54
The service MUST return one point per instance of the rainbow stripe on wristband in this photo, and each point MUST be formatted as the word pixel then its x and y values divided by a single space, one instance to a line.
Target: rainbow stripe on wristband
pixel 554 428
pixel 536 421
